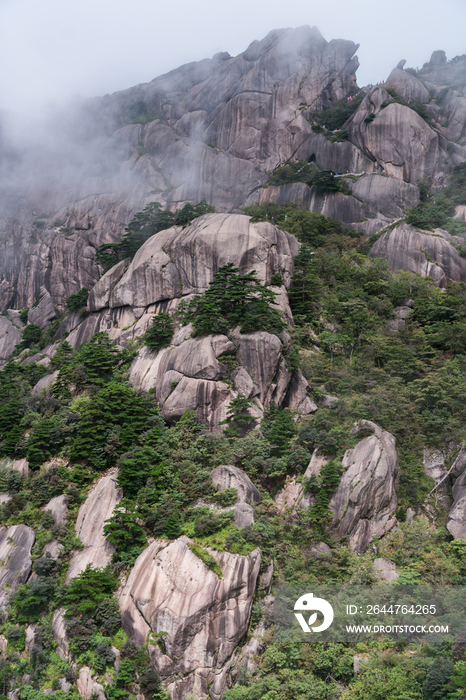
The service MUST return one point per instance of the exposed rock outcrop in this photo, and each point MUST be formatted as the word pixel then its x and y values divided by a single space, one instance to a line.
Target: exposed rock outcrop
pixel 43 312
pixel 456 523
pixel 178 261
pixel 230 477
pixel 58 506
pixel 96 509
pixel 10 336
pixel 423 252
pixel 384 570
pixel 15 555
pixel 171 590
pixel 364 503
pixel 402 144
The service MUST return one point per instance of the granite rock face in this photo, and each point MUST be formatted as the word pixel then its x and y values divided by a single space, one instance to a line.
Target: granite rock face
pixel 456 523
pixel 365 501
pixel 424 252
pixel 43 312
pixel 202 141
pixel 230 477
pixel 178 262
pixel 98 507
pixel 10 336
pixel 58 506
pixel 170 589
pixel 15 554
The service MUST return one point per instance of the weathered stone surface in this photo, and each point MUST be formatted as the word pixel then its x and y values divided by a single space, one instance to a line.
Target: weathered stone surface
pixel 54 549
pixel 209 400
pixel 384 570
pixel 364 503
pixel 292 495
pixel 297 396
pixel 259 353
pixel 99 296
pixel 423 252
pixel 243 383
pixel 98 507
pixel 456 523
pixel 169 589
pixel 44 312
pixel 320 551
pixel 398 139
pixel 334 204
pixel 244 515
pixel 15 554
pixel 59 509
pixel 21 466
pixel 387 195
pixel 45 382
pixel 181 261
pixel 84 682
pixel 59 632
pixel 4 498
pixel 407 86
pixel 10 336
pixel 230 477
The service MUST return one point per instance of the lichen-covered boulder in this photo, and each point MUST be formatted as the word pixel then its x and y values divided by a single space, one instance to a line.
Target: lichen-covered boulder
pixel 204 617
pixel 365 501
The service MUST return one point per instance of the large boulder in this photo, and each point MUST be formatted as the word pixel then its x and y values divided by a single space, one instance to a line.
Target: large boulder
pixel 96 509
pixel 58 507
pixel 204 617
pixel 387 195
pixel 230 477
pixel 181 261
pixel 426 253
pixel 192 375
pixel 15 556
pixel 365 501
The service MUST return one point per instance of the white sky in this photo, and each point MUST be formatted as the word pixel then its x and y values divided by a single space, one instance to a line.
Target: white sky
pixel 51 50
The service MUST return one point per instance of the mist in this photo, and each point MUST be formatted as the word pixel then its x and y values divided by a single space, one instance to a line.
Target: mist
pixel 54 50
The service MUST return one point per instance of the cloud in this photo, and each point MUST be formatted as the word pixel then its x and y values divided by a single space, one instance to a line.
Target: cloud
pixel 57 49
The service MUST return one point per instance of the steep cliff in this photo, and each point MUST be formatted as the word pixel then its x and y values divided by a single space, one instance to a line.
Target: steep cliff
pixel 178 444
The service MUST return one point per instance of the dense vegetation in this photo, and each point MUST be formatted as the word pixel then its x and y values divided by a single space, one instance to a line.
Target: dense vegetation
pixel 436 210
pixel 302 171
pixel 145 224
pixel 412 382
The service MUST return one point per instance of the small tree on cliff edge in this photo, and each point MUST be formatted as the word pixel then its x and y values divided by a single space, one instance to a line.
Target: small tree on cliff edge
pixel 238 419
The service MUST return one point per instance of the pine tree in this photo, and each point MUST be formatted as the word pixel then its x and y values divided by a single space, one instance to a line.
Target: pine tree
pixel 238 419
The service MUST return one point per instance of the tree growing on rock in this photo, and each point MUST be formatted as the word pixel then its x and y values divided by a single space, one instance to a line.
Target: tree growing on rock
pixel 232 300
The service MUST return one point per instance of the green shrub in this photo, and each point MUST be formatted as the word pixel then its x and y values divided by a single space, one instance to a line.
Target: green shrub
pixel 145 224
pixel 160 333
pixel 234 300
pixel 31 335
pixel 77 300
pixel 207 558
